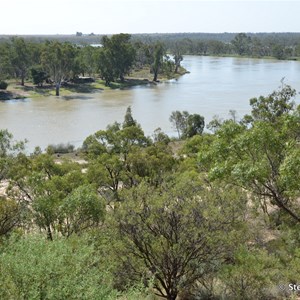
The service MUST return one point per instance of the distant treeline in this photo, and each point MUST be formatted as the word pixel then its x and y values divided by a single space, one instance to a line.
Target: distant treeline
pixel 279 45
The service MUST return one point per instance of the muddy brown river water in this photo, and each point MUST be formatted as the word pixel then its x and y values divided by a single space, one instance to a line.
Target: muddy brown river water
pixel 214 86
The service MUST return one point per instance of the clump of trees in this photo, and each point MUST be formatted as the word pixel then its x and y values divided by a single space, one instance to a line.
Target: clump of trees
pixel 217 218
pixel 56 62
pixel 116 57
pixel 187 125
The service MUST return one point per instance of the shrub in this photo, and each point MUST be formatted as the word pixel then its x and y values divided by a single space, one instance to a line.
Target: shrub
pixel 3 85
pixel 32 268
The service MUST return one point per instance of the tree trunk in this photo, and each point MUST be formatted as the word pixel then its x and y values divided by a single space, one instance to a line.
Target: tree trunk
pixel 122 78
pixel 22 80
pixel 57 89
pixel 49 233
pixel 155 75
pixel 172 296
pixel 176 68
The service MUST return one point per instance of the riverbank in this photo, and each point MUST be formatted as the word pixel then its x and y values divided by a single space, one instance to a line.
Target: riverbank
pixel 12 94
pixel 137 78
pixel 292 58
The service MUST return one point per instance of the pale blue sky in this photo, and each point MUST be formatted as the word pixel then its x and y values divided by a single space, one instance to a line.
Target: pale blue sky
pixel 147 16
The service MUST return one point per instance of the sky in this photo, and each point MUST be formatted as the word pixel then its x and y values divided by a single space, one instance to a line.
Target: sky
pixel 147 16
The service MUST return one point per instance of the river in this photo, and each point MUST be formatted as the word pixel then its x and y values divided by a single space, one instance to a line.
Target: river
pixel 214 86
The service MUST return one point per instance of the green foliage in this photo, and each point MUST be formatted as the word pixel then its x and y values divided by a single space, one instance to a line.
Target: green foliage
pixel 160 137
pixel 128 119
pixel 259 158
pixel 32 268
pixel 82 209
pixel 241 43
pixel 279 52
pixel 87 59
pixel 216 219
pixel 179 121
pixel 20 57
pixel 117 139
pixel 8 150
pixel 3 85
pixel 58 60
pixel 116 57
pixel 252 274
pixel 38 75
pixel 106 66
pixel 195 125
pixel 6 68
pixel 167 67
pixel 10 214
pixel 273 106
pixel 175 234
pixel 158 53
pixel 214 124
pixel 177 54
pixel 54 192
pixel 187 125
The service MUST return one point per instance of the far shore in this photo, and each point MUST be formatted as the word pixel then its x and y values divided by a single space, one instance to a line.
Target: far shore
pixel 138 77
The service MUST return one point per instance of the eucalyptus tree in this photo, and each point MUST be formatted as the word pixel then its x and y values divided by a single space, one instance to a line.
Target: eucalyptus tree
pixel 58 60
pixel 9 149
pixel 20 57
pixel 241 43
pixel 109 151
pixel 117 56
pixel 187 125
pixel 58 196
pixel 174 236
pixel 87 60
pixel 261 153
pixel 105 66
pixel 177 52
pixel 158 53
pixel 5 63
pixel 10 215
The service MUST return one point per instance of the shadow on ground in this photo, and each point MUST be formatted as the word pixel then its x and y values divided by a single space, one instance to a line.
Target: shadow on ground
pixel 76 97
pixel 82 88
pixel 6 95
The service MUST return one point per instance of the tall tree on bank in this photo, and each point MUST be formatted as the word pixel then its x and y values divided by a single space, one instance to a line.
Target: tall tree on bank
pixel 106 66
pixel 57 59
pixel 241 43
pixel 5 65
pixel 158 55
pixel 20 57
pixel 177 53
pixel 119 54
